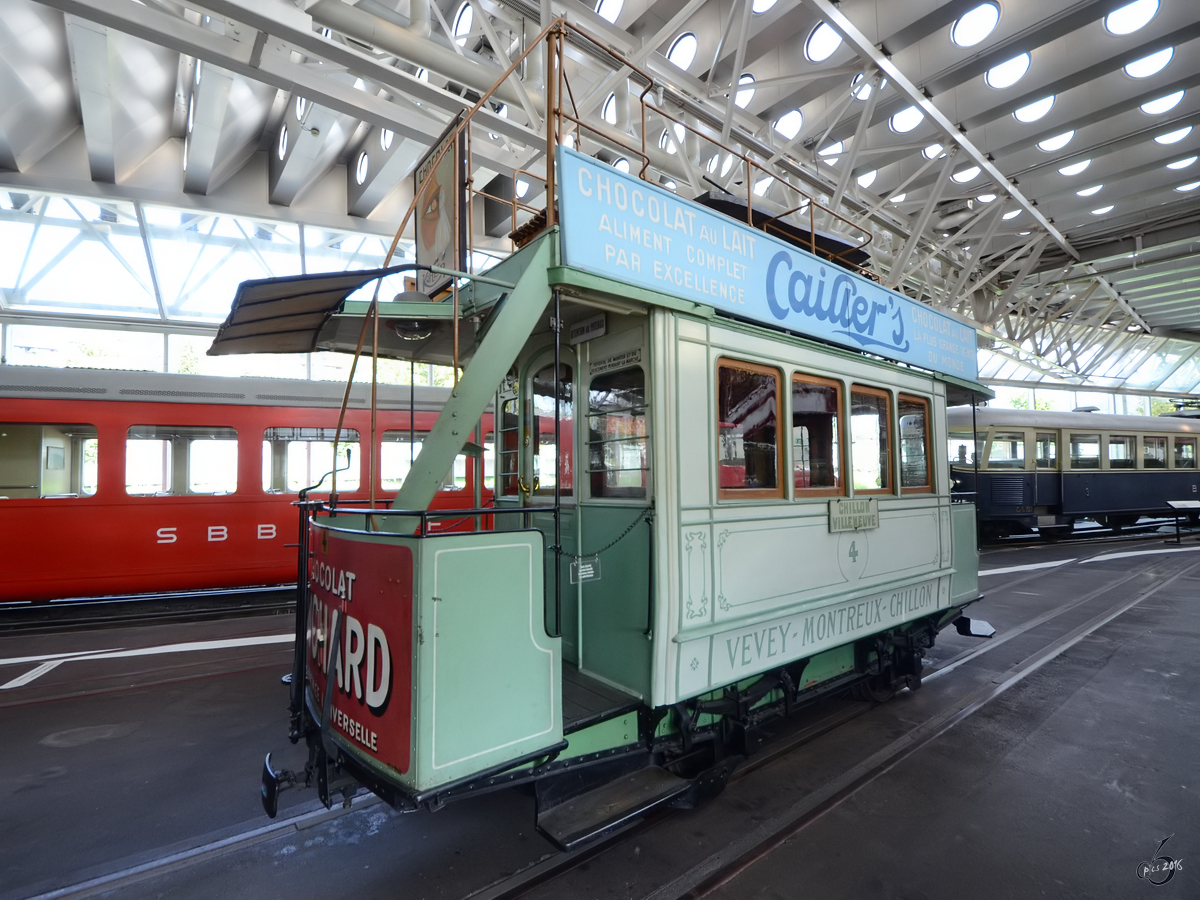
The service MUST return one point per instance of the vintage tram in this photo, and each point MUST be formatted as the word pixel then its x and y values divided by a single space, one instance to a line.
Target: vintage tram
pixel 711 505
pixel 1042 470
pixel 130 483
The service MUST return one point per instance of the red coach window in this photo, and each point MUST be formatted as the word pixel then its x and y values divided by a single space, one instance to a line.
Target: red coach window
pixel 47 460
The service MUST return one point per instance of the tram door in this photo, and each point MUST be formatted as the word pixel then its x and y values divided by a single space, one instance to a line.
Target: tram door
pixel 529 465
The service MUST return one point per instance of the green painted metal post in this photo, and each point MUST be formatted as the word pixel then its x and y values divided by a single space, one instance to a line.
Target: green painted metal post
pixel 513 323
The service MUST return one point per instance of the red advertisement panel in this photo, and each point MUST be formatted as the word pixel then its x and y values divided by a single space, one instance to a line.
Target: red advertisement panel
pixel 362 593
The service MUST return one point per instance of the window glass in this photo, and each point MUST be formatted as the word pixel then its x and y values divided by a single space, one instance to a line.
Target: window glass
pixel 212 464
pixel 544 393
pixel 1007 450
pixel 1185 453
pixel 1122 451
pixel 510 446
pixel 617 462
pixel 1085 451
pixel 43 460
pixel 748 431
pixel 816 435
pixel 180 459
pixel 914 440
pixel 1047 450
pixel 1154 453
pixel 397 452
pixel 869 446
pixel 298 458
pixel 960 450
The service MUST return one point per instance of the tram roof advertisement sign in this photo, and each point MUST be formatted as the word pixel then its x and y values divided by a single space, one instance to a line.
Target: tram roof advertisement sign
pixel 441 210
pixel 618 226
pixel 359 642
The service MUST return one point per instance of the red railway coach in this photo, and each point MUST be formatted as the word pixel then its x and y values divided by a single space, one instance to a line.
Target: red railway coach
pixel 117 483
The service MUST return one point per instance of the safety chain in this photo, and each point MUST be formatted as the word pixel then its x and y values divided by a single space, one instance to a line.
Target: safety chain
pixel 645 515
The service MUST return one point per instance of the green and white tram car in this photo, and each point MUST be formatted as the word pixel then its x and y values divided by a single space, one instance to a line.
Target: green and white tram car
pixel 706 514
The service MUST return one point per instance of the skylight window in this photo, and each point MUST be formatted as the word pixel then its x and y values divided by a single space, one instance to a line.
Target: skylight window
pixel 1162 104
pixel 1188 187
pixel 609 9
pixel 1131 17
pixel 899 198
pixel 1150 65
pixel 966 175
pixel 933 151
pixel 610 109
pixel 360 170
pixel 1075 168
pixel 822 43
pixel 862 87
pixel 727 165
pixel 1012 214
pixel 463 21
pixel 683 50
pixel 1057 142
pixel 301 108
pixel 746 94
pixel 975 25
pixel 789 124
pixel 1174 137
pixel 830 152
pixel 1034 111
pixel 1102 210
pixel 867 179
pixel 1181 163
pixel 758 7
pixel 763 185
pixel 907 119
pixel 986 198
pixel 523 185
pixel 386 135
pixel 281 147
pixel 1008 73
pixel 1087 192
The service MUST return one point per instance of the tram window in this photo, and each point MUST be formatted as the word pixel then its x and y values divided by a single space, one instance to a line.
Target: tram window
pixel 1085 451
pixel 617 462
pixel 1007 450
pixel 397 454
pixel 1046 448
pixel 816 436
pixel 510 446
pixel 1122 451
pixel 44 460
pixel 748 431
pixel 914 441
pixel 1185 453
pixel 297 458
pixel 180 459
pixel 1154 453
pixel 545 451
pixel 870 448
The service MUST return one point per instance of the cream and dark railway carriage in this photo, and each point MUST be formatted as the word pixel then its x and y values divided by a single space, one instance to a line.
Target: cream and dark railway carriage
pixel 718 495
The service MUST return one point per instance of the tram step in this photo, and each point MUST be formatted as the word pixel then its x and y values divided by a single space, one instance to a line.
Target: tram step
pixel 591 814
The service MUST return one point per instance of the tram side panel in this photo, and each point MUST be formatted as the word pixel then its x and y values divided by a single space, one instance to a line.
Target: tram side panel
pixel 767 579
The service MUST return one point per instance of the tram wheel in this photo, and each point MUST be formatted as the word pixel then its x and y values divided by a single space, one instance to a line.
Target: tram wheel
pixel 878 688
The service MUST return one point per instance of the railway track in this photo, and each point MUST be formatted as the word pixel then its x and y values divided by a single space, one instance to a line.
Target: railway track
pixel 707 875
pixel 189 606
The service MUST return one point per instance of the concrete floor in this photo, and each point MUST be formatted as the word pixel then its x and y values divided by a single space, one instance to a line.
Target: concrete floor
pixel 1059 787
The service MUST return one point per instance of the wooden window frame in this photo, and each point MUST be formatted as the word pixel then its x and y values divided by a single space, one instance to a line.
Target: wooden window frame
pixel 778 492
pixel 838 491
pixel 891 454
pixel 927 487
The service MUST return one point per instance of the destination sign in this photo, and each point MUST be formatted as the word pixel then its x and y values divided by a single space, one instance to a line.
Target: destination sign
pixel 618 226
pixel 853 515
